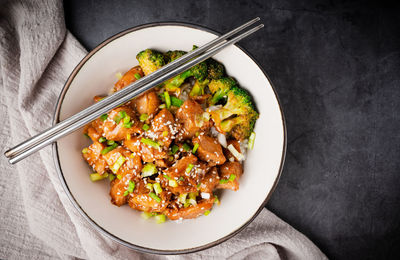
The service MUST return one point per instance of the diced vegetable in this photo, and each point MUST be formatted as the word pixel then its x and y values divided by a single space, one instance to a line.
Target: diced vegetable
pixel 216 200
pixel 238 156
pixel 149 186
pixel 157 188
pixel 252 138
pixel 110 142
pixel 167 99
pixel 146 127
pixel 160 218
pixel 148 170
pixel 232 177
pixel 150 142
pixel 173 183
pixel 186 147
pixel 162 106
pixel 189 167
pixel 174 149
pixel 85 150
pixel 154 197
pixel 119 176
pixel 206 212
pixel 131 186
pixel 167 177
pixel 137 76
pixel 147 215
pixel 102 139
pixel 195 147
pixel 97 177
pixel 165 133
pixel 143 117
pixel 115 167
pixel 109 148
pixel 182 197
pixel 111 177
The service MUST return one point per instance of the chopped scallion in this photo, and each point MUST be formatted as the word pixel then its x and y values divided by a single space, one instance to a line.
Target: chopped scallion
pixel 147 215
pixel 85 150
pixel 145 127
pixel 173 183
pixel 126 193
pixel 162 106
pixel 154 197
pixel 216 200
pixel 111 177
pixel 150 142
pixel 102 139
pixel 189 167
pixel 165 133
pixel 206 212
pixel 143 117
pixel 232 177
pixel 252 138
pixel 115 167
pixel 174 149
pixel 137 76
pixel 195 147
pixel 97 177
pixel 119 176
pixel 149 186
pixel 131 186
pixel 186 147
pixel 167 99
pixel 232 149
pixel 157 188
pixel 109 148
pixel 148 170
pixel 160 218
pixel 167 177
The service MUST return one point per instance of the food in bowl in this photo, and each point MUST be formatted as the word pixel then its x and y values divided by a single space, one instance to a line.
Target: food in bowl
pixel 168 150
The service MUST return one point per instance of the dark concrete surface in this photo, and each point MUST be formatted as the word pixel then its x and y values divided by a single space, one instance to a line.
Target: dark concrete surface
pixel 336 68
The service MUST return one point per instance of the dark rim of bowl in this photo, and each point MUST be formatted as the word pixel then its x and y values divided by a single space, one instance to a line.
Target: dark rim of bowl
pixel 78 207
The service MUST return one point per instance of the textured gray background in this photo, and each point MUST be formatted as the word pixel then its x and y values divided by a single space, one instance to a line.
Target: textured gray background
pixel 336 68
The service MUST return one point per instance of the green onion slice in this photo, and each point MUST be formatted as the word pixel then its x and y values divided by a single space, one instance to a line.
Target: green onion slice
pixel 146 127
pixel 109 148
pixel 206 212
pixel 115 167
pixel 252 138
pixel 195 147
pixel 137 76
pixel 131 186
pixel 143 117
pixel 97 177
pixel 173 183
pixel 85 150
pixel 167 177
pixel 174 149
pixel 189 167
pixel 154 197
pixel 186 147
pixel 150 142
pixel 148 170
pixel 157 188
pixel 167 99
pixel 160 218
pixel 232 177
pixel 102 139
pixel 111 177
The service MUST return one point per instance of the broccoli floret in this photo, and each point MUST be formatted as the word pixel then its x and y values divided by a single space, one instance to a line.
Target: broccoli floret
pixel 199 72
pixel 215 69
pixel 238 116
pixel 219 88
pixel 173 55
pixel 150 60
pixel 198 88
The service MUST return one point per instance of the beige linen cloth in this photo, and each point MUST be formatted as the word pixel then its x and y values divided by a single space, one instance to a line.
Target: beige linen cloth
pixel 38 221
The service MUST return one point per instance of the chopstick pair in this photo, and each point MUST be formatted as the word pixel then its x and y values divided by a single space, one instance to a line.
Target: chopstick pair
pixel 89 114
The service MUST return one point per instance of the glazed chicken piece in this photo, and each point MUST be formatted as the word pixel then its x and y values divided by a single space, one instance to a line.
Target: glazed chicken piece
pixel 210 181
pixel 163 127
pixel 146 103
pixel 115 128
pixel 129 170
pixel 129 77
pixel 179 169
pixel 94 158
pixel 190 114
pixel 225 171
pixel 190 212
pixel 209 150
pixel 141 200
pixel 148 153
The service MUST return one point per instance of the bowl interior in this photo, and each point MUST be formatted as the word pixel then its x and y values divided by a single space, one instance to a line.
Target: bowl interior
pixel 261 169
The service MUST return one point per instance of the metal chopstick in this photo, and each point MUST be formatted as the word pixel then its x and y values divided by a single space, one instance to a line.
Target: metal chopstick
pixel 137 91
pixel 44 135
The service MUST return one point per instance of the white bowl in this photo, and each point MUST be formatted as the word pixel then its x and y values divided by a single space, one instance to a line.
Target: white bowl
pixel 95 74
